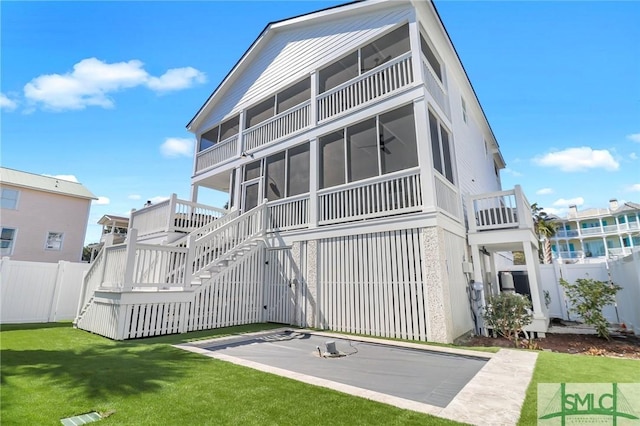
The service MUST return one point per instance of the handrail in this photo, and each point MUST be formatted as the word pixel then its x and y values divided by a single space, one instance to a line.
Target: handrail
pixel 369 181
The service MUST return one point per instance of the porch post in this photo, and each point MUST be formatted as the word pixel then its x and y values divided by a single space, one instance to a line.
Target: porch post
pixel 130 259
pixel 424 153
pixel 240 135
pixel 172 209
pixel 313 182
pixel 313 96
pixel 194 193
pixel 533 273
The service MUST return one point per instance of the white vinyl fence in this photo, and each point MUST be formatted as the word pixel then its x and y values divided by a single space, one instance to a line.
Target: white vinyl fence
pixel 39 291
pixel 624 272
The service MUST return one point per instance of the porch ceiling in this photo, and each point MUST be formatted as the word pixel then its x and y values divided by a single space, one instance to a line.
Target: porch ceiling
pixel 504 239
pixel 219 182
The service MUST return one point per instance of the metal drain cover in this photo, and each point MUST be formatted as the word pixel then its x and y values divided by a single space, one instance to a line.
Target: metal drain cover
pixel 81 419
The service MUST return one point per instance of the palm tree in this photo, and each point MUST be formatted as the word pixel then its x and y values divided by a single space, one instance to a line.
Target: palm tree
pixel 545 229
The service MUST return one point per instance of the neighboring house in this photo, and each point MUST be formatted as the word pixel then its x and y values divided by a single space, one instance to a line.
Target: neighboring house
pixel 355 152
pixel 114 231
pixel 597 234
pixel 44 219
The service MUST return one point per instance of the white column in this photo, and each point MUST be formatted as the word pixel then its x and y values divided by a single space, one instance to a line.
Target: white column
pixel 130 259
pixel 314 179
pixel 424 153
pixel 416 50
pixel 313 106
pixel 606 248
pixel 194 193
pixel 533 273
pixel 240 134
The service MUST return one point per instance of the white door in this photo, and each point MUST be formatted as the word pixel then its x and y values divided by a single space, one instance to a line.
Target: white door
pixel 280 286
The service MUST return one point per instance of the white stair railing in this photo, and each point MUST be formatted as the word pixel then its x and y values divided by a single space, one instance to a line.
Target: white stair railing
pixel 208 249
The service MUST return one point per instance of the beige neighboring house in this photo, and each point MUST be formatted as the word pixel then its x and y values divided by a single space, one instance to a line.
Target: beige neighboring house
pixel 43 219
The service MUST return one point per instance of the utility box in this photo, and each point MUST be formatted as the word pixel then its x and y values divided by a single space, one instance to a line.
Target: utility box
pixel 519 280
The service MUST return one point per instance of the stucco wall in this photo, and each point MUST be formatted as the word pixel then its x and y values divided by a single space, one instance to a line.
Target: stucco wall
pixel 39 213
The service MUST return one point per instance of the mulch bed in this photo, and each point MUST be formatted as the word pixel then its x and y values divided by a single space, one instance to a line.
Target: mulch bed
pixel 621 345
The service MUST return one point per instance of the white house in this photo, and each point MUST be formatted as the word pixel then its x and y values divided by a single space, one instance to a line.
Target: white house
pixel 364 193
pixel 44 219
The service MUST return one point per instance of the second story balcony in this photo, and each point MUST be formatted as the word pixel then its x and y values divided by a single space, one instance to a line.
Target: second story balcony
pixel 501 210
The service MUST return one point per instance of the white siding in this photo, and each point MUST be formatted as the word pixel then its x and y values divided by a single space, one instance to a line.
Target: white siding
pixel 289 55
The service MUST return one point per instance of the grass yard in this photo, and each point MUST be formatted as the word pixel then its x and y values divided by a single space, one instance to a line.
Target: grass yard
pixel 52 371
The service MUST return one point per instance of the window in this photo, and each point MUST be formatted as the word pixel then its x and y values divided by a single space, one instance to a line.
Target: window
pixel 464 110
pixel 370 56
pixel 287 173
pixel 7 240
pixel 252 170
pixel 261 112
pixel 440 147
pixel 220 133
pixel 54 241
pixel 431 57
pixel 9 198
pixel 382 144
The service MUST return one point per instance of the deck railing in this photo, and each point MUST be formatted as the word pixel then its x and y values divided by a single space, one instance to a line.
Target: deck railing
pixel 173 215
pixel 435 88
pixel 283 124
pixel 380 196
pixel 447 196
pixel 217 154
pixel 499 210
pixel 381 81
pixel 290 213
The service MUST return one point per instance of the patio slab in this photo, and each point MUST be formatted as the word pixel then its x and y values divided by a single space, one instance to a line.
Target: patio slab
pixel 466 386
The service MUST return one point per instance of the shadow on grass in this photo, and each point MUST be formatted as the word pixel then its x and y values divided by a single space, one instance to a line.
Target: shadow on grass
pixel 99 371
pixel 34 326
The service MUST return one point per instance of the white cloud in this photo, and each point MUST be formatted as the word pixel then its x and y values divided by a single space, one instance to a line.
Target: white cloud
pixel 634 188
pixel 70 178
pixel 176 79
pixel 544 191
pixel 635 137
pixel 633 156
pixel 511 172
pixel 176 147
pixel 134 197
pixel 561 202
pixel 560 212
pixel 102 201
pixel 92 80
pixel 7 104
pixel 578 159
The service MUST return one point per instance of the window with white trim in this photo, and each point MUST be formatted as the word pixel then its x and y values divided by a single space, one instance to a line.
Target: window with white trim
pixel 440 147
pixel 287 173
pixel 431 57
pixel 54 241
pixel 7 241
pixel 9 198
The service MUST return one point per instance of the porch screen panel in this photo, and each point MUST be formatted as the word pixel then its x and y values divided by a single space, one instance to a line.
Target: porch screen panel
pixel 446 152
pixel 362 150
pixel 435 142
pixel 274 177
pixel 252 170
pixel 209 138
pixel 332 159
pixel 337 73
pixel 431 57
pixel 261 112
pixel 398 149
pixel 294 95
pixel 229 128
pixel 385 48
pixel 298 170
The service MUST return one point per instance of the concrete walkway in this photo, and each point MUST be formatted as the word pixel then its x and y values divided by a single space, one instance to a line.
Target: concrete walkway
pixel 493 396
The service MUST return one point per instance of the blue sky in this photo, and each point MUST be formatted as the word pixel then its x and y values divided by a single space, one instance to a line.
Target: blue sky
pixel 101 92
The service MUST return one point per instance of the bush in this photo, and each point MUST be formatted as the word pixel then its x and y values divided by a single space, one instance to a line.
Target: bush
pixel 588 298
pixel 508 314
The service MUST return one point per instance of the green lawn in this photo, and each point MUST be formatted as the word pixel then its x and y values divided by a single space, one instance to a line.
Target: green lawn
pixel 52 371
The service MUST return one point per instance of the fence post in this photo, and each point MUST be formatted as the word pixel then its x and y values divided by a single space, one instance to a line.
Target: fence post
pixel 190 259
pixel 130 259
pixel 171 223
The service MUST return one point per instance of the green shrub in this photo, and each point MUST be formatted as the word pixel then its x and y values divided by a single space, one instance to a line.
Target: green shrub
pixel 508 314
pixel 588 298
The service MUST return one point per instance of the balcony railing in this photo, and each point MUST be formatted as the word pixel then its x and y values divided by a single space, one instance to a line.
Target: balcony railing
pixel 290 213
pixel 381 196
pixel 447 196
pixel 283 124
pixel 566 234
pixel 499 210
pixel 217 154
pixel 569 254
pixel 381 81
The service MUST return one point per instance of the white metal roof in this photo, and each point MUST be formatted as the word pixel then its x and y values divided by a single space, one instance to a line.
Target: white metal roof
pixel 44 183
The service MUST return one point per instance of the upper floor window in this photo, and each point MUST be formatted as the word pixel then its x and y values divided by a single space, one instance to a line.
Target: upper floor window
pixel 9 198
pixel 440 147
pixel 464 111
pixel 282 101
pixel 220 133
pixel 433 60
pixel 368 57
pixel 7 241
pixel 383 144
pixel 54 241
